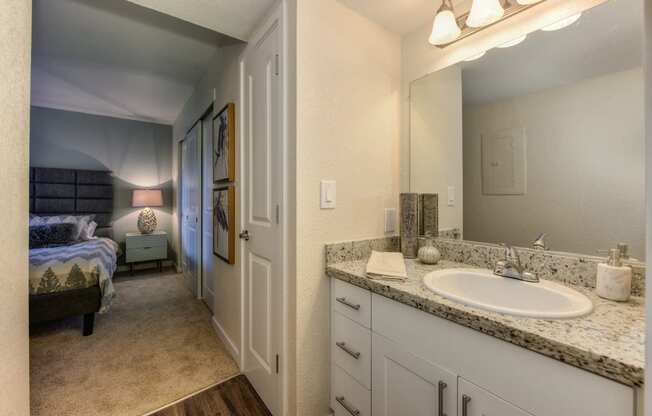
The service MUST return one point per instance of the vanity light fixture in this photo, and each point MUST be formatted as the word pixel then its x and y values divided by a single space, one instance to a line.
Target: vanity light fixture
pixel 445 28
pixel 448 29
pixel 484 13
pixel 513 42
pixel 563 23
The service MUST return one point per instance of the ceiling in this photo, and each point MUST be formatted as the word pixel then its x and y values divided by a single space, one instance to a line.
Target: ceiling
pixel 399 16
pixel 606 39
pixel 235 18
pixel 117 59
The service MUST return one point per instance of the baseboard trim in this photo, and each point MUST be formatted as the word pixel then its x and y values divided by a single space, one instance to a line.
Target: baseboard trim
pixel 228 343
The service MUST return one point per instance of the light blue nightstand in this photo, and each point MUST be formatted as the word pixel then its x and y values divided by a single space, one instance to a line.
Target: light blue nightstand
pixel 146 247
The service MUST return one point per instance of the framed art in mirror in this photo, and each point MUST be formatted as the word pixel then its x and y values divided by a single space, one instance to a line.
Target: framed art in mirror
pixel 224 145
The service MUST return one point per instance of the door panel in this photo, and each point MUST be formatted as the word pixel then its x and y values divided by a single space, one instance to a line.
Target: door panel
pixel 406 385
pixel 191 208
pixel 207 281
pixel 262 195
pixel 480 402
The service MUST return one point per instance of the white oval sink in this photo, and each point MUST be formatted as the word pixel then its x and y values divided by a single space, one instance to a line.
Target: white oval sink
pixel 482 289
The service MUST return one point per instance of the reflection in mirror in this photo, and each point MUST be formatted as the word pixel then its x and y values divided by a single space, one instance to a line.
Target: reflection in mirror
pixel 546 136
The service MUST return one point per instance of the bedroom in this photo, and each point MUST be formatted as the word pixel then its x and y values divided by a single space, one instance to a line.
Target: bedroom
pixel 109 275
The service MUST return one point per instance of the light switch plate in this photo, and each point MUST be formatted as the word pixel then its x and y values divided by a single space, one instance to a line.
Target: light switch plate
pixel 328 198
pixel 451 196
pixel 390 220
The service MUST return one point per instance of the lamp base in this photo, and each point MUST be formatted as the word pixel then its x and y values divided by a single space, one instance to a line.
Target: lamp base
pixel 146 221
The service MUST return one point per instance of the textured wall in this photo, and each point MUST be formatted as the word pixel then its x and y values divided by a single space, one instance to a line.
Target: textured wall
pixel 15 32
pixel 139 154
pixel 348 82
pixel 591 132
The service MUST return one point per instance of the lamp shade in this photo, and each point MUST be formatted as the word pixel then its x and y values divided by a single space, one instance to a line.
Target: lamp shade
pixel 485 12
pixel 147 198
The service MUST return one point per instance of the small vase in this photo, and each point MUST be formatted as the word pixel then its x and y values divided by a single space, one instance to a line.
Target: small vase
pixel 429 254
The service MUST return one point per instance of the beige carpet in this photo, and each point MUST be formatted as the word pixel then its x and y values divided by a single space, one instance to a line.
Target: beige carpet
pixel 153 347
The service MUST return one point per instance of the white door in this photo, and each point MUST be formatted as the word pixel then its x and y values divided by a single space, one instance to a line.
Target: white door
pixel 207 282
pixel 475 401
pixel 406 385
pixel 191 208
pixel 262 196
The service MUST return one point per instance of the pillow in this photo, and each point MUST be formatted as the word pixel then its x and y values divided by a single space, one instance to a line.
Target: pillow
pixel 50 235
pixel 81 221
pixel 89 231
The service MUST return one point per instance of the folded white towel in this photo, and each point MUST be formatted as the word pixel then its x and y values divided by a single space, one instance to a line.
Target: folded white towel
pixel 386 266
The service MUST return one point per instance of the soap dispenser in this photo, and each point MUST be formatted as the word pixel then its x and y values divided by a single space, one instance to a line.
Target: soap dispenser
pixel 614 281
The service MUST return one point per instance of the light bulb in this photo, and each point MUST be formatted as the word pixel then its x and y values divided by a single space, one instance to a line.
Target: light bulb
pixel 484 12
pixel 444 28
pixel 563 23
pixel 513 42
pixel 527 2
pixel 476 56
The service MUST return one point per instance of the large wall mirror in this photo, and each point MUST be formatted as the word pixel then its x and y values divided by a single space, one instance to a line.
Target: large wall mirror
pixel 546 136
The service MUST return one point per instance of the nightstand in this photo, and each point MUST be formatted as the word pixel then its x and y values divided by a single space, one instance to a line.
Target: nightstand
pixel 146 247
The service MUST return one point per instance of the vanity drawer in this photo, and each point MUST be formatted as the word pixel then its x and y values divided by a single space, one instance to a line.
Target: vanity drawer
pixel 146 254
pixel 348 397
pixel 351 348
pixel 352 302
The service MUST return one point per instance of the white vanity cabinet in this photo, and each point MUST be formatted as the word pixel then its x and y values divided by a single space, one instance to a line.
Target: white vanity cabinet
pixel 405 362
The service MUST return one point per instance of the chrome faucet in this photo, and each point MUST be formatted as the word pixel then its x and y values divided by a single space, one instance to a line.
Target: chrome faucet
pixel 512 268
pixel 540 242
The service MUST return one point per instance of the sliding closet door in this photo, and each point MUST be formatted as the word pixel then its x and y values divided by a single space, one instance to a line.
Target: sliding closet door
pixel 208 279
pixel 191 208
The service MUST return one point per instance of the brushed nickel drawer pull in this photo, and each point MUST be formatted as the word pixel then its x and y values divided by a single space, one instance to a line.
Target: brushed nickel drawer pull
pixel 343 301
pixel 345 405
pixel 465 405
pixel 442 387
pixel 348 350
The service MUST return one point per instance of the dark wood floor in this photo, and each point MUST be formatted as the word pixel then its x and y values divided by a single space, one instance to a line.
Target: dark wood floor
pixel 235 397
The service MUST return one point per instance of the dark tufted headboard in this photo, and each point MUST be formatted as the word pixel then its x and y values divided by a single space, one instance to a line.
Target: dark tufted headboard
pixel 74 192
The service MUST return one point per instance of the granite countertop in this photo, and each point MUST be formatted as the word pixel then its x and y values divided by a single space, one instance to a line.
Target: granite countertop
pixel 609 342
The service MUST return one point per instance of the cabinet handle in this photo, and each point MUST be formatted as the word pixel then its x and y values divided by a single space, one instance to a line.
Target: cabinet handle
pixel 442 387
pixel 146 248
pixel 348 350
pixel 343 301
pixel 348 407
pixel 465 405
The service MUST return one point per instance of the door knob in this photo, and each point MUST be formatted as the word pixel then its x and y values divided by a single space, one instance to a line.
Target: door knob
pixel 244 235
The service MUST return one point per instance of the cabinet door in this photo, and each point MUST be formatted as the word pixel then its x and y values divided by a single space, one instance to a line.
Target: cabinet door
pixel 406 385
pixel 475 401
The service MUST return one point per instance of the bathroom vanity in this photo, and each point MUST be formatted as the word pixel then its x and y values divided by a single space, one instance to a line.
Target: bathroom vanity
pixel 399 349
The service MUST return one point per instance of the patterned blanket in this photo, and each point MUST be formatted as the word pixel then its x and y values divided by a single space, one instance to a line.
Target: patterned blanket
pixel 77 266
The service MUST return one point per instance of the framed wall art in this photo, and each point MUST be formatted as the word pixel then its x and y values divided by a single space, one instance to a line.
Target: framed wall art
pixel 224 145
pixel 224 223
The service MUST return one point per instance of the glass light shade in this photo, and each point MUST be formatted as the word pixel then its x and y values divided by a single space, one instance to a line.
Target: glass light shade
pixel 513 42
pixel 147 198
pixel 485 12
pixel 563 23
pixel 527 2
pixel 444 28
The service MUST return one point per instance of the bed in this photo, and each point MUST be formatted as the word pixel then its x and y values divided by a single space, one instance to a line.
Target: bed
pixel 76 279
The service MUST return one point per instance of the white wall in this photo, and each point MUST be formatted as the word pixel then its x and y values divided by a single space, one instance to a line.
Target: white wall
pixel 436 145
pixel 224 279
pixel 348 83
pixel 138 153
pixel 15 32
pixel 591 131
pixel 648 187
